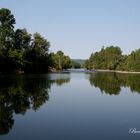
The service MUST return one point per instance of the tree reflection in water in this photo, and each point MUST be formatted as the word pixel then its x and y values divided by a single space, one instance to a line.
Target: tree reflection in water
pixel 111 83
pixel 20 93
pixel 60 78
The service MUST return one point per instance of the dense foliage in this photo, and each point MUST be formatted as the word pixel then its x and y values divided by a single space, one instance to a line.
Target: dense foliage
pixel 133 61
pixel 60 60
pixel 111 58
pixel 22 52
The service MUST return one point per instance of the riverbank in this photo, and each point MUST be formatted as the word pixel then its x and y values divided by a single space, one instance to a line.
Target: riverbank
pixel 117 71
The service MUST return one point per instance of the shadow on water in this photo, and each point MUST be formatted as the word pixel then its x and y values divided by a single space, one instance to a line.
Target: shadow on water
pixel 111 83
pixel 21 93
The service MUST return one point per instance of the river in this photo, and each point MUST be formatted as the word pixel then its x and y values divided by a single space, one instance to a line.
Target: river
pixel 70 106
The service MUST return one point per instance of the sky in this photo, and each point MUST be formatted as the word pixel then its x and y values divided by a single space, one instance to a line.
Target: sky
pixel 80 27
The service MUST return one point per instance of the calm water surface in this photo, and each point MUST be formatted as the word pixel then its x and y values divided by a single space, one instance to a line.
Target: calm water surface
pixel 70 106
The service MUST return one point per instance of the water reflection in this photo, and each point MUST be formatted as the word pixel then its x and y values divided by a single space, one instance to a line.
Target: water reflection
pixel 60 78
pixel 29 92
pixel 20 93
pixel 111 83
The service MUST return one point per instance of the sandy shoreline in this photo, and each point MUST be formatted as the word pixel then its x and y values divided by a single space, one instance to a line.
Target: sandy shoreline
pixel 100 70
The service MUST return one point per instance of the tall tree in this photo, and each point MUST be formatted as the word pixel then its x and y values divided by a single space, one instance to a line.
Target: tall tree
pixel 37 57
pixel 21 39
pixel 7 22
pixel 21 43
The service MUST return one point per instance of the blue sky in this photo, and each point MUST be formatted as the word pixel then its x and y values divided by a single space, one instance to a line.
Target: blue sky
pixel 80 27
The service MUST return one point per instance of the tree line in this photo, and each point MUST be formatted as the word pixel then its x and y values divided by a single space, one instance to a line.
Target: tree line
pixel 111 58
pixel 21 51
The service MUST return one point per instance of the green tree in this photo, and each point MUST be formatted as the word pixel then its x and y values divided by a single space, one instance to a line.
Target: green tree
pixel 122 65
pixel 21 40
pixel 21 51
pixel 40 44
pixel 61 61
pixel 37 56
pixel 106 58
pixel 21 44
pixel 133 61
pixel 7 22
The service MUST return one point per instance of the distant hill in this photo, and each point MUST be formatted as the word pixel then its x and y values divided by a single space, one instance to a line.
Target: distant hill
pixel 80 61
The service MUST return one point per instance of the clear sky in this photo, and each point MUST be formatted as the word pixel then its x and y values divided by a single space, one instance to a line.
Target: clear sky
pixel 80 27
